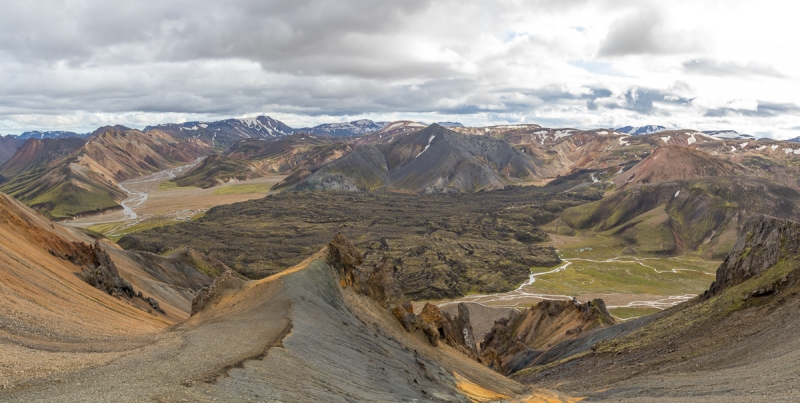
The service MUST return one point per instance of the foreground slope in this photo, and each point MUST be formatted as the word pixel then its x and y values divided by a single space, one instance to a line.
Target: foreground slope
pixel 51 319
pixel 737 342
pixel 301 335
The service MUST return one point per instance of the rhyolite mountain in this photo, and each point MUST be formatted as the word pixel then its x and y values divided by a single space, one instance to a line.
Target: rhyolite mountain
pixel 9 146
pixel 36 153
pixel 433 159
pixel 85 179
pixel 296 155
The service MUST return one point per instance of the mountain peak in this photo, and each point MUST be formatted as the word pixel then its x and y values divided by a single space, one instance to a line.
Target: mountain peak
pixel 641 130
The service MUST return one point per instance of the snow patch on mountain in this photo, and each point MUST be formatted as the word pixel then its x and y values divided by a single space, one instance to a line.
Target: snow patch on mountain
pixel 641 130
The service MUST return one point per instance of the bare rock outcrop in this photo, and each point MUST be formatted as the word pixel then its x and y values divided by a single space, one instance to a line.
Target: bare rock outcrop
pixel 99 271
pixel 762 243
pixel 515 341
pixel 226 283
pixel 379 282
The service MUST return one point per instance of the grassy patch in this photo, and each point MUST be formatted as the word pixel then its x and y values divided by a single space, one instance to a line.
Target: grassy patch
pixel 626 313
pixel 598 264
pixel 167 185
pixel 245 188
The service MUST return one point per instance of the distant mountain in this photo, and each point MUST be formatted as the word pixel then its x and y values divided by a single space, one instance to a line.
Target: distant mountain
pixel 221 134
pixel 649 129
pixel 298 155
pixel 450 124
pixel 50 135
pixel 670 163
pixel 795 140
pixel 9 146
pixel 433 159
pixel 350 129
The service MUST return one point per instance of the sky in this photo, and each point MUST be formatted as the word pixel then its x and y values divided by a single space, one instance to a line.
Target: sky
pixel 702 64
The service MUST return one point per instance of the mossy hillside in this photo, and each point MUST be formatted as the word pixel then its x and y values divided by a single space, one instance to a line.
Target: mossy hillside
pixel 700 314
pixel 701 213
pixel 58 194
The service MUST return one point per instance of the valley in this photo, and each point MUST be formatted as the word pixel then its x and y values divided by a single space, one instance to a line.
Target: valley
pixel 474 264
pixel 153 202
pixel 595 267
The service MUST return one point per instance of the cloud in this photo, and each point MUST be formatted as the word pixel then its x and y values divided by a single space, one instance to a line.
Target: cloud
pixel 719 68
pixel 645 32
pixel 644 101
pixel 81 64
pixel 762 110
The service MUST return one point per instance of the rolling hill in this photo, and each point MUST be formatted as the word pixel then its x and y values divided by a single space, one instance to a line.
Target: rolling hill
pixel 297 154
pixel 86 180
pixel 702 215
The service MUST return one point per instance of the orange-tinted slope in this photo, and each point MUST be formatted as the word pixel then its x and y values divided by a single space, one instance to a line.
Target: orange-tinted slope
pixel 671 163
pixel 42 298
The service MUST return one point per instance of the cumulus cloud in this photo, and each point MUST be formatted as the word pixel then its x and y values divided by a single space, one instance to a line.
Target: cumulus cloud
pixel 78 65
pixel 645 31
pixel 720 68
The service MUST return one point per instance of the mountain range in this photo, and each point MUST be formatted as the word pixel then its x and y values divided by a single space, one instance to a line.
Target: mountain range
pixel 348 280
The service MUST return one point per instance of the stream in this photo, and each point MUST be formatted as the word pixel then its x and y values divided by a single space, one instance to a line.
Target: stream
pixel 138 190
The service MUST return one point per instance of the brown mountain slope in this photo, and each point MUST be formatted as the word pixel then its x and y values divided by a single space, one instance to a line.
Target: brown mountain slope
pixel 128 153
pixel 8 147
pixel 738 342
pixel 37 153
pixel 85 181
pixel 298 155
pixel 46 307
pixel 671 163
pixel 57 311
